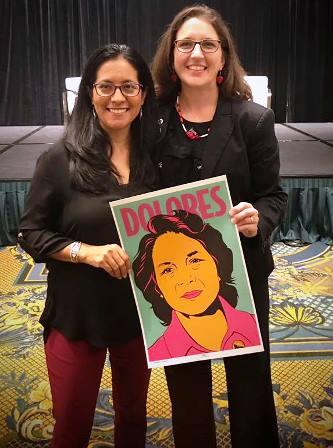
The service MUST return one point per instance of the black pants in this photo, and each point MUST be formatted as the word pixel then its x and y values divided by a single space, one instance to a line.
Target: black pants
pixel 251 406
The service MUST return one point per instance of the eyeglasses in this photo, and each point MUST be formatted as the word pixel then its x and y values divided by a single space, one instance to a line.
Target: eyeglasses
pixel 206 45
pixel 109 89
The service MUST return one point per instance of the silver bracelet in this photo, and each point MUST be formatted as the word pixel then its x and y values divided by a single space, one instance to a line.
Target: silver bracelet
pixel 74 251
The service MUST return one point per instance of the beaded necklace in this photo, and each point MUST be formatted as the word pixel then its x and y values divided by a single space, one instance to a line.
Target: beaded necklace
pixel 190 133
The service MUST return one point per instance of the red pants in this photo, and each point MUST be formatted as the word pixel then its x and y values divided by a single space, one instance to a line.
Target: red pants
pixel 75 370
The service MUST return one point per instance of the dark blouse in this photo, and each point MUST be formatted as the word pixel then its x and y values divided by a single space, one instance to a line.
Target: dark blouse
pixel 83 302
pixel 186 154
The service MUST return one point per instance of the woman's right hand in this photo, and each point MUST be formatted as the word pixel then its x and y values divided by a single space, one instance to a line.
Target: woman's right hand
pixel 110 257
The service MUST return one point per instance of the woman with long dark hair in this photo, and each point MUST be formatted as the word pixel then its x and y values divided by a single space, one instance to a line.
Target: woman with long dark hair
pixel 67 223
pixel 209 127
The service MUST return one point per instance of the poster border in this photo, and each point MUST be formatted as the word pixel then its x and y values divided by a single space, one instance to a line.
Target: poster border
pixel 197 357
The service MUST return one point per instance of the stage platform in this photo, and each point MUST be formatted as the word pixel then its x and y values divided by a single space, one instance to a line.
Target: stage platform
pixel 306 152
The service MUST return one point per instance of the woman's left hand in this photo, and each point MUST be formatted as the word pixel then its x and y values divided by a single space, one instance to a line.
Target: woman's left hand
pixel 246 217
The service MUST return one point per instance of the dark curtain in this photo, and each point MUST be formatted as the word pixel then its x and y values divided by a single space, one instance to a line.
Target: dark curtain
pixel 44 41
pixel 310 86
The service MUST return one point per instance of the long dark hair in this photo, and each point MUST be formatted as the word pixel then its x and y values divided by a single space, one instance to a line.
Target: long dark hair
pixel 192 226
pixel 162 66
pixel 87 142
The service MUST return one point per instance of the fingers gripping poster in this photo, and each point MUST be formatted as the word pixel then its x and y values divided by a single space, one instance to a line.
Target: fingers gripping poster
pixel 188 273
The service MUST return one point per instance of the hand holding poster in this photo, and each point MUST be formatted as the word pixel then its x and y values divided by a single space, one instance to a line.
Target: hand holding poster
pixel 189 276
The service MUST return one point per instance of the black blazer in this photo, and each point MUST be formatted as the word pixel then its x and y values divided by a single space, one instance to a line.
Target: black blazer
pixel 242 145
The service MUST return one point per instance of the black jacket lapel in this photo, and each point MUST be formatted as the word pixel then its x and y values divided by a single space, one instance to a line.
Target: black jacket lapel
pixel 218 138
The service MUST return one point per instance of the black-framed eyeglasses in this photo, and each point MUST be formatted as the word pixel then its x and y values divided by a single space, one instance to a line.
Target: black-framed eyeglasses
pixel 109 89
pixel 206 45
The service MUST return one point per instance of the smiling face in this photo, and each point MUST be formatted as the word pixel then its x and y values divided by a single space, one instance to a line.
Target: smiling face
pixel 197 69
pixel 187 276
pixel 117 112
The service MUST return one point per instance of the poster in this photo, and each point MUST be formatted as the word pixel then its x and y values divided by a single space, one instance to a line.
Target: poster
pixel 189 276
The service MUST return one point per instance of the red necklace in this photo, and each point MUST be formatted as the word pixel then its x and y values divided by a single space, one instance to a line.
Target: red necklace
pixel 190 133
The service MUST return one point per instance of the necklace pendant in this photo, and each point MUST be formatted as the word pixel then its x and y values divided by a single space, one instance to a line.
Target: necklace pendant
pixel 192 135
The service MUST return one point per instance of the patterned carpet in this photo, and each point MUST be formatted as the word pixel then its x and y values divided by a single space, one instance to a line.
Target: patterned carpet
pixel 302 358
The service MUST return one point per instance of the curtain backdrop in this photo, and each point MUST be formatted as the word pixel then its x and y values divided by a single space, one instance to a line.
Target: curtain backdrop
pixel 44 41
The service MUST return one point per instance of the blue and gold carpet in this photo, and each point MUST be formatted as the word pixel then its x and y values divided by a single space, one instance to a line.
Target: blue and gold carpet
pixel 302 358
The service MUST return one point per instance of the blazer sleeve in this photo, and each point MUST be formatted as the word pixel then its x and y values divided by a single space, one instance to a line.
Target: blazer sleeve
pixel 38 233
pixel 268 196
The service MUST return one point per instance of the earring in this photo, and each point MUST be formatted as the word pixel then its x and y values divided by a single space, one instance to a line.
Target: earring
pixel 173 76
pixel 94 113
pixel 219 77
pixel 140 115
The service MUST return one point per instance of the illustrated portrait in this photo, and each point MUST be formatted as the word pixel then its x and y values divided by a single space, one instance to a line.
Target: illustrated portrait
pixel 184 270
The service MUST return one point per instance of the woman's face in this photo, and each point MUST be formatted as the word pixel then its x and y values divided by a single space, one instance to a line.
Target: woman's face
pixel 116 112
pixel 186 273
pixel 197 68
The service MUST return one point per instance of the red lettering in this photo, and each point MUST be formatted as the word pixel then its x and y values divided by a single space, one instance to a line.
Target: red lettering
pixel 142 211
pixel 172 204
pixel 157 208
pixel 130 220
pixel 189 202
pixel 203 207
pixel 220 202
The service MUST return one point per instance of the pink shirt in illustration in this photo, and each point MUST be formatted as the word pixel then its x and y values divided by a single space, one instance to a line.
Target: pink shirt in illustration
pixel 242 332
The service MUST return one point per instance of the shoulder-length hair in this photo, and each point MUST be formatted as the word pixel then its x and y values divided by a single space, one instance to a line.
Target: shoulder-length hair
pixel 162 66
pixel 87 142
pixel 192 226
